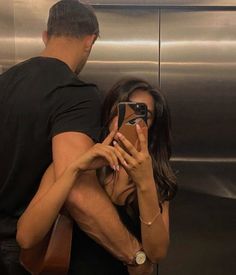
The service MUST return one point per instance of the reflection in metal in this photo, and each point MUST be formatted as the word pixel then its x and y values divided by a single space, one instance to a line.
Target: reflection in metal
pixel 196 68
pixel 125 47
pixel 30 22
pixel 213 178
pixel 21 25
pixel 161 3
pixel 7 35
pixel 206 160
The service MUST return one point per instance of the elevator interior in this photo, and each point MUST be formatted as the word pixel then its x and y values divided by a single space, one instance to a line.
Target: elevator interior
pixel 188 49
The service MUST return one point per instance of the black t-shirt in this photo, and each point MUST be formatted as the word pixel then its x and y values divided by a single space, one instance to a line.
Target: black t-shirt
pixel 39 98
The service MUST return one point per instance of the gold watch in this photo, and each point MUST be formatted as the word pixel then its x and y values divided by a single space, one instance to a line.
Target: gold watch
pixel 139 258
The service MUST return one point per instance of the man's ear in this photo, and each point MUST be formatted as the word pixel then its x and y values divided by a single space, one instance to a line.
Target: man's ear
pixel 88 42
pixel 45 37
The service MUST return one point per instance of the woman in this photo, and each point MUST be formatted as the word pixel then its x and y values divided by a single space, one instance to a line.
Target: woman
pixel 140 189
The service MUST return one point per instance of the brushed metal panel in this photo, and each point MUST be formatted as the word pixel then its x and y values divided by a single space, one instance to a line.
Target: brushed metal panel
pixel 219 3
pixel 30 22
pixel 180 3
pixel 128 46
pixel 198 67
pixel 7 35
pixel 212 178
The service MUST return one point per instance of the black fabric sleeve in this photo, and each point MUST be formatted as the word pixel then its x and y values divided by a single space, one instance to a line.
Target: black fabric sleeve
pixel 78 109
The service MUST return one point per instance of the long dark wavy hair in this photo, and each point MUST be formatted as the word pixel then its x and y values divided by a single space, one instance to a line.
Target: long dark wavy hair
pixel 159 139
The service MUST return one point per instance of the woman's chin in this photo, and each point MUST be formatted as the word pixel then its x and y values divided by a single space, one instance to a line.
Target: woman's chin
pixel 122 197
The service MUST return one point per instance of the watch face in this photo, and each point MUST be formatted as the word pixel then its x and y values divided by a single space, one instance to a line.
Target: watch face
pixel 140 257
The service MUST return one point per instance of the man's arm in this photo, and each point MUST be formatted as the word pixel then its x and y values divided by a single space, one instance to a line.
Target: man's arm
pixel 88 203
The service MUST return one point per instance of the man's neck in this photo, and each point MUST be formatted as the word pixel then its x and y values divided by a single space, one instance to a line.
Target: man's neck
pixel 67 50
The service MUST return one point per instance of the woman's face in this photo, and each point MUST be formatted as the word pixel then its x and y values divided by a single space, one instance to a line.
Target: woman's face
pixel 144 97
pixel 140 96
pixel 125 186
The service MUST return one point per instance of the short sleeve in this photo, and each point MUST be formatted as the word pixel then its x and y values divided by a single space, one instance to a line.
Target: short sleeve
pixel 77 109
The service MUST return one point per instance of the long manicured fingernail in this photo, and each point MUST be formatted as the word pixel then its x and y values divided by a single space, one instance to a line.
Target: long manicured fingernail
pixel 125 163
pixel 119 135
pixel 114 142
pixel 117 167
pixel 114 167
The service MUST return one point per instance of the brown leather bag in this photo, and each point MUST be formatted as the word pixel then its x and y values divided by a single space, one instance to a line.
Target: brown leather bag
pixel 52 255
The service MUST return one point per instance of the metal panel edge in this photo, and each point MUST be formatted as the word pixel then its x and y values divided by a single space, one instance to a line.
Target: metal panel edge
pixel 165 3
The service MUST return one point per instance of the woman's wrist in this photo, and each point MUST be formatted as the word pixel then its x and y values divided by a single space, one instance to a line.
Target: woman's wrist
pixel 74 169
pixel 146 184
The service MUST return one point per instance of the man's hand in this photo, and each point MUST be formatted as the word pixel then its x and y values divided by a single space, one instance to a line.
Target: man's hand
pixel 144 269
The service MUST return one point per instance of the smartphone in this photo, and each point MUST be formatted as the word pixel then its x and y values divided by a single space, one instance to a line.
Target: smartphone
pixel 129 114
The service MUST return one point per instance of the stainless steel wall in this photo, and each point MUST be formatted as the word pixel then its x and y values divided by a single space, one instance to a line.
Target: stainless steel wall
pixel 7 35
pixel 21 25
pixel 198 67
pixel 29 20
pixel 195 69
pixel 128 46
pixel 165 3
pixel 188 48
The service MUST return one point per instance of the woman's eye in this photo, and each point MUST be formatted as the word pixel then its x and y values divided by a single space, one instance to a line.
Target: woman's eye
pixel 133 121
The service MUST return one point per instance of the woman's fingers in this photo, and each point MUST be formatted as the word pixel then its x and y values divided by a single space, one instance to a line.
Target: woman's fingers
pixel 113 155
pixel 119 155
pixel 124 157
pixel 115 123
pixel 108 140
pixel 128 145
pixel 109 154
pixel 142 136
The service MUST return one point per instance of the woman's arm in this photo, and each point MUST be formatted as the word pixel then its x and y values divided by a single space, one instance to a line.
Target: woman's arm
pixel 96 215
pixel 154 224
pixel 42 211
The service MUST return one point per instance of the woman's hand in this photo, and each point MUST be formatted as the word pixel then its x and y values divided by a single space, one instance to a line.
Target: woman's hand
pixel 138 164
pixel 99 155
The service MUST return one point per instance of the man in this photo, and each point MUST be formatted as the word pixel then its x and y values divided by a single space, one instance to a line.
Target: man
pixel 47 114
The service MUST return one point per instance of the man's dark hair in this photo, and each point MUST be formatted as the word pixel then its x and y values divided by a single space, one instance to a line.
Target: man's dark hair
pixel 72 19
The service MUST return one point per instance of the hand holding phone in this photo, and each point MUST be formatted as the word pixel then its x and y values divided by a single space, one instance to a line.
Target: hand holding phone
pixel 129 114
